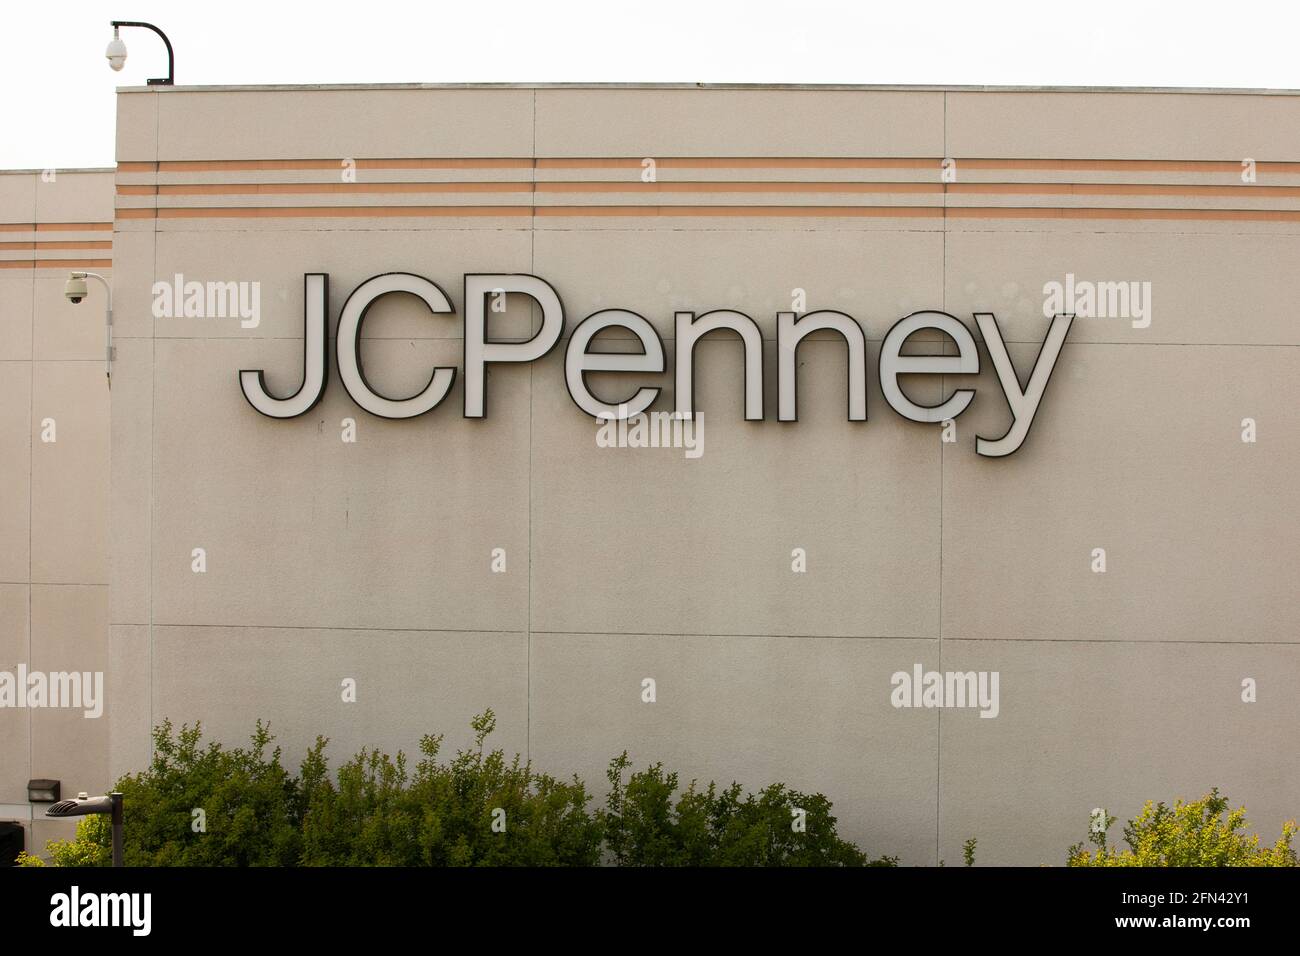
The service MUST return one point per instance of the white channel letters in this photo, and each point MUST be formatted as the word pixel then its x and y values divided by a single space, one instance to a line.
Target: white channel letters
pixel 689 327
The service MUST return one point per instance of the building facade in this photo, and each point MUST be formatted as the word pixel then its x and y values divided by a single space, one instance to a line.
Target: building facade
pixel 54 455
pixel 892 591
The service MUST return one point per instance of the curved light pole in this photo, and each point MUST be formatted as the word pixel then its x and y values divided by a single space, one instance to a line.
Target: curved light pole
pixel 75 290
pixel 116 52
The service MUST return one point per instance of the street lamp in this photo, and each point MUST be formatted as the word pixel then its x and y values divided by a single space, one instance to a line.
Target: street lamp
pixel 76 290
pixel 86 806
pixel 116 52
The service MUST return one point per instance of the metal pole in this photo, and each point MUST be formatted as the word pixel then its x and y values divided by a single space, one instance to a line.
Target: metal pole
pixel 117 828
pixel 171 58
pixel 108 341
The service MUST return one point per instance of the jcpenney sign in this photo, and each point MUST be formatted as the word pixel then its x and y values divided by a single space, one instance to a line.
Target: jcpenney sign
pixel 690 327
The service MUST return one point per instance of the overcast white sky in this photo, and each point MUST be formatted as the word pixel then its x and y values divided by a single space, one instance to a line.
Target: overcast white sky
pixel 58 91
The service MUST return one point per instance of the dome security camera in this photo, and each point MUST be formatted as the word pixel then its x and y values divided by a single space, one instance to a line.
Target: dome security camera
pixel 75 289
pixel 116 52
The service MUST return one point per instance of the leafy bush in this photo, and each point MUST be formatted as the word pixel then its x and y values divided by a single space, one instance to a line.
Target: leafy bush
pixel 719 827
pixel 480 809
pixel 197 806
pixel 92 846
pixel 477 810
pixel 250 804
pixel 1191 834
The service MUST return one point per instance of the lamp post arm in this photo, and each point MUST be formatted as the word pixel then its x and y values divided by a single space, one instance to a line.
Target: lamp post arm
pixel 171 58
pixel 104 282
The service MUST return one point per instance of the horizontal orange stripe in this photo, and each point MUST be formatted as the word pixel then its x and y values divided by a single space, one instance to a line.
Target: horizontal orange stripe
pixel 229 189
pixel 899 212
pixel 56 227
pixel 58 244
pixel 330 212
pixel 1241 190
pixel 218 165
pixel 1007 189
pixel 595 211
pixel 516 162
pixel 70 244
pixel 1101 165
pixel 225 189
pixel 1128 165
pixel 711 162
pixel 741 162
pixel 56 263
pixel 416 212
pixel 738 162
pixel 1030 212
pixel 737 187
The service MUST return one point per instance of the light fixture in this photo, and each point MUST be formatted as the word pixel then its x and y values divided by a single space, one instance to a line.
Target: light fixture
pixel 86 806
pixel 116 51
pixel 42 791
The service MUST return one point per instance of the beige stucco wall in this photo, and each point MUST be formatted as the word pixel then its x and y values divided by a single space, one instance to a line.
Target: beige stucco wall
pixel 54 507
pixel 371 560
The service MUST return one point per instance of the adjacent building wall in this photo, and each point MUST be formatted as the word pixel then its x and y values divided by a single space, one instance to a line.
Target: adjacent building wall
pixel 372 561
pixel 54 449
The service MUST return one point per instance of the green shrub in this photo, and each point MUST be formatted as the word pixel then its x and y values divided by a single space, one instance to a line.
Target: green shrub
pixel 249 806
pixel 90 847
pixel 477 810
pixel 211 806
pixel 1195 833
pixel 646 825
